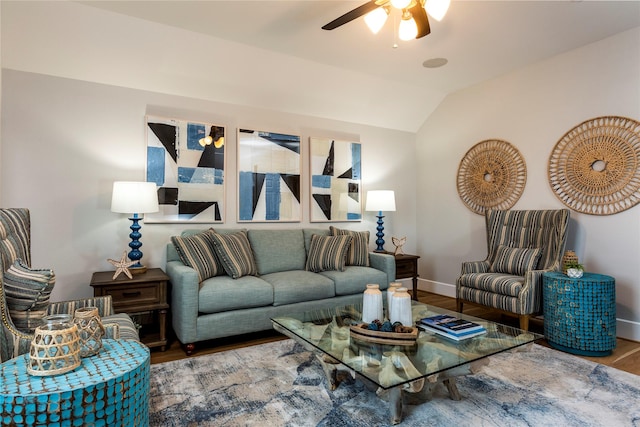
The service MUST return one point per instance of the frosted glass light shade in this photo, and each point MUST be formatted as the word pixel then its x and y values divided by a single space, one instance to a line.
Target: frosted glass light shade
pixel 376 19
pixel 381 200
pixel 134 197
pixel 408 29
pixel 400 4
pixel 437 8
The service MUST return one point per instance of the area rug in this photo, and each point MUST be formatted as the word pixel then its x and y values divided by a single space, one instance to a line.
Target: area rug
pixel 282 384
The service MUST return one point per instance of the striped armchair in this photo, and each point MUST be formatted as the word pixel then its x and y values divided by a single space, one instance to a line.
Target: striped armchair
pixel 15 243
pixel 521 246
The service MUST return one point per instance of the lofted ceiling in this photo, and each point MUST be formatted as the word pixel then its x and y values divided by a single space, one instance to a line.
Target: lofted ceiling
pixel 480 39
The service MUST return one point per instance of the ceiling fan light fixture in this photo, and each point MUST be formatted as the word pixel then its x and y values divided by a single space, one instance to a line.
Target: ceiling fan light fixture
pixel 408 29
pixel 400 4
pixel 376 18
pixel 437 8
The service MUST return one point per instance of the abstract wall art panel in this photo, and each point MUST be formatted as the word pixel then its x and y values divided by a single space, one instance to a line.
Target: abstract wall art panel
pixel 186 160
pixel 268 177
pixel 336 193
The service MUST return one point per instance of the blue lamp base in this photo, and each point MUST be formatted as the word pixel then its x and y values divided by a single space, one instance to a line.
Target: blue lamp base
pixel 135 254
pixel 380 234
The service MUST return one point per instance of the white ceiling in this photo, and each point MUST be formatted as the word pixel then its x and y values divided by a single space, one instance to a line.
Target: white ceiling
pixel 480 39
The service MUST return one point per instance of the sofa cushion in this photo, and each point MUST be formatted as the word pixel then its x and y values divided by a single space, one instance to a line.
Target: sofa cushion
pixel 223 293
pixel 354 279
pixel 27 293
pixel 234 252
pixel 298 285
pixel 328 253
pixel 277 250
pixel 197 252
pixel 358 253
pixel 308 232
pixel 516 261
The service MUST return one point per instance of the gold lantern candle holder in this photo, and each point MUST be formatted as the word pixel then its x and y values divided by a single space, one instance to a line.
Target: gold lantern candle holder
pixel 90 330
pixel 55 348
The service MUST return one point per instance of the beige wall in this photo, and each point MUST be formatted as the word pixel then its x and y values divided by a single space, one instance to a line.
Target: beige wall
pixel 532 109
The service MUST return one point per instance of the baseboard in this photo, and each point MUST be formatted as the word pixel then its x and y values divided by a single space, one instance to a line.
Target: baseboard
pixel 439 288
pixel 626 329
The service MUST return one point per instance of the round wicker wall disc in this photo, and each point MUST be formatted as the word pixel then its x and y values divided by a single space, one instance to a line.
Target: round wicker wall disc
pixel 595 167
pixel 492 174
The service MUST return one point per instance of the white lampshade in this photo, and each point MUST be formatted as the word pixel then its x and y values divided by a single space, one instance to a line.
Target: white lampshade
pixel 408 29
pixel 134 197
pixel 376 19
pixel 437 8
pixel 381 200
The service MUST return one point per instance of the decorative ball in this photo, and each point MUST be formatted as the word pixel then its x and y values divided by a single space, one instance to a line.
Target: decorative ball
pixel 387 327
pixel 373 326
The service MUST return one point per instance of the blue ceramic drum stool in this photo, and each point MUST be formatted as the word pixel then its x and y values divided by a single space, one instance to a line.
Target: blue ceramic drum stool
pixel 108 389
pixel 580 313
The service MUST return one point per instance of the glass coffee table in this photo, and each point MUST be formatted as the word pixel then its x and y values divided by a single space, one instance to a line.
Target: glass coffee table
pixel 397 372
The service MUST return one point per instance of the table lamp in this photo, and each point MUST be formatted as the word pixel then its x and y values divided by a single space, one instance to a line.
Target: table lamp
pixel 380 200
pixel 134 198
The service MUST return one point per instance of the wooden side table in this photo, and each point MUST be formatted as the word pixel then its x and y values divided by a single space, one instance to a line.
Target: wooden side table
pixel 110 388
pixel 144 293
pixel 580 313
pixel 407 267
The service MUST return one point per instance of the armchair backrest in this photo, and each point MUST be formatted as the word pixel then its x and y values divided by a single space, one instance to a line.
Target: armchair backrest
pixel 545 229
pixel 15 236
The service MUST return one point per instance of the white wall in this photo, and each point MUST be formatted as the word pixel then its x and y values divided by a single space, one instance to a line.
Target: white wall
pixel 532 109
pixel 66 141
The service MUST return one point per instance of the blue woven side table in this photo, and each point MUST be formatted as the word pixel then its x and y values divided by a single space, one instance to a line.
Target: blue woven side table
pixel 108 389
pixel 580 314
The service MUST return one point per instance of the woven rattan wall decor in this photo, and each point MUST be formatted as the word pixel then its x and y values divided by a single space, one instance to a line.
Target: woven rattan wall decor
pixel 595 167
pixel 491 175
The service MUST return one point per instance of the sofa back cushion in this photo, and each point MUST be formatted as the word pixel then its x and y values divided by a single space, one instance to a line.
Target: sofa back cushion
pixel 277 250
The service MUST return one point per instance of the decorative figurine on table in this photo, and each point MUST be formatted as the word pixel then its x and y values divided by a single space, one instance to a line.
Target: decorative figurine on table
pixel 122 266
pixel 399 243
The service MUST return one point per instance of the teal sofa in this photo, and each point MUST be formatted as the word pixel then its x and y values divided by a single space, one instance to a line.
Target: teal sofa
pixel 221 306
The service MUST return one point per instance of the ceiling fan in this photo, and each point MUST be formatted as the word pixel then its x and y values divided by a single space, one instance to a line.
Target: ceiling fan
pixel 414 23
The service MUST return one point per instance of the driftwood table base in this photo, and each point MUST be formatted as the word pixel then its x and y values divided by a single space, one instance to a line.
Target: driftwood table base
pixel 414 393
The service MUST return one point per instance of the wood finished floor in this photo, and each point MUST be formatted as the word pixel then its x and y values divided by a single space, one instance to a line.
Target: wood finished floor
pixel 625 357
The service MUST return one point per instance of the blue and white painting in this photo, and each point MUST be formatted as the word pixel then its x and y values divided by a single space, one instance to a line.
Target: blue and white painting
pixel 186 160
pixel 335 180
pixel 268 176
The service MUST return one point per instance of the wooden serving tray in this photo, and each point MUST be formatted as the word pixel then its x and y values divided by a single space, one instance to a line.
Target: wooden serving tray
pixel 360 331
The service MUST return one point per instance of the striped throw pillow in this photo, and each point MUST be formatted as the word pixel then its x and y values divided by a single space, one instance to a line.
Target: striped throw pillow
pixel 235 254
pixel 358 253
pixel 328 253
pixel 27 294
pixel 197 252
pixel 516 261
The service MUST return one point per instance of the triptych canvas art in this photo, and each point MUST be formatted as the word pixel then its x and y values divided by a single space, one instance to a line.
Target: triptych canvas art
pixel 190 171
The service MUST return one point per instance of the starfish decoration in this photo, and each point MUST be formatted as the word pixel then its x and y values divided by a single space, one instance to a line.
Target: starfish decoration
pixel 122 266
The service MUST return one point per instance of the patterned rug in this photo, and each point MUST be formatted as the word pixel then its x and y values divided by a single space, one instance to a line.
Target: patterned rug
pixel 281 384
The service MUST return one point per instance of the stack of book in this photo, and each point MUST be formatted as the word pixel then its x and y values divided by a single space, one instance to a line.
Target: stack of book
pixel 451 327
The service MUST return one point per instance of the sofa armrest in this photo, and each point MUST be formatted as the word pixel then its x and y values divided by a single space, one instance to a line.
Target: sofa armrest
pixel 475 267
pixel 384 262
pixel 185 288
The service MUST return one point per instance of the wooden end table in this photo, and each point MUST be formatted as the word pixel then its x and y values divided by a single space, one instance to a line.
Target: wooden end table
pixel 144 293
pixel 407 267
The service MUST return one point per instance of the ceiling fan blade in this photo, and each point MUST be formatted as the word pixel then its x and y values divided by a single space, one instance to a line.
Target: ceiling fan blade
pixel 351 15
pixel 422 21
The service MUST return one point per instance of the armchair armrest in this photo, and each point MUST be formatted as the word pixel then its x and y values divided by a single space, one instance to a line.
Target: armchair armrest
pixel 475 267
pixel 103 303
pixel 185 287
pixel 384 262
